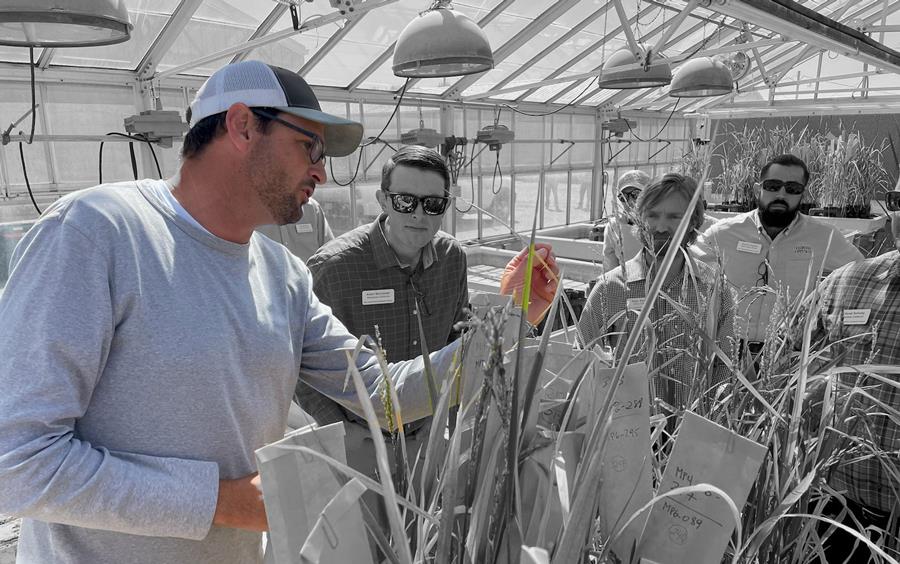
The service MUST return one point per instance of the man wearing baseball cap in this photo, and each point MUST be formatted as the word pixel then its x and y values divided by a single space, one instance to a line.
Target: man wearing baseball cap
pixel 619 238
pixel 152 341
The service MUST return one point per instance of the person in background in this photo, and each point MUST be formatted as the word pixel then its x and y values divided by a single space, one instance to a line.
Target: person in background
pixel 152 341
pixel 859 321
pixel 620 238
pixel 619 295
pixel 304 237
pixel 773 246
pixel 385 278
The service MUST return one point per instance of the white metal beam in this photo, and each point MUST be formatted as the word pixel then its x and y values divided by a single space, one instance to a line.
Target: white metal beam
pixel 332 42
pixel 46 56
pixel 166 38
pixel 585 53
pixel 550 48
pixel 263 28
pixel 271 38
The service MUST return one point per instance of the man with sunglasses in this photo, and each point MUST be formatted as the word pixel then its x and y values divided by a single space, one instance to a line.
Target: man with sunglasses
pixel 773 246
pixel 386 277
pixel 620 239
pixel 152 340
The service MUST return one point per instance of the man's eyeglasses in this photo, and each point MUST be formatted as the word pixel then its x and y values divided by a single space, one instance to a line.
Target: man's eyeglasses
pixel 316 147
pixel 773 185
pixel 763 271
pixel 407 203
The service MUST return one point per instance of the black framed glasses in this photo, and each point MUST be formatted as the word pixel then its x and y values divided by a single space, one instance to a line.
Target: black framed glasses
pixel 773 185
pixel 316 147
pixel 763 271
pixel 407 203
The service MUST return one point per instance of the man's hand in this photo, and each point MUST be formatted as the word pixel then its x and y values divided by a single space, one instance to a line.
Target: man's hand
pixel 240 505
pixel 544 280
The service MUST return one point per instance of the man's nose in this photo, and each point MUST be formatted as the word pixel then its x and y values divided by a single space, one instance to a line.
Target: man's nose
pixel 317 171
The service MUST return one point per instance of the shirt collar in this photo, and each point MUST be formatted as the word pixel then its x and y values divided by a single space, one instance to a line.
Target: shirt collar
pixel 385 257
pixel 636 268
pixel 795 224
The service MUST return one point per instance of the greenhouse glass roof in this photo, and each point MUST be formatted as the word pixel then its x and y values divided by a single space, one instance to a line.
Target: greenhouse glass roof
pixel 544 53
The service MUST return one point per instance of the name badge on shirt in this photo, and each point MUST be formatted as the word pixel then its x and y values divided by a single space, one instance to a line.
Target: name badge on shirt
pixel 748 247
pixel 803 251
pixel 636 304
pixel 376 297
pixel 856 316
pixel 303 227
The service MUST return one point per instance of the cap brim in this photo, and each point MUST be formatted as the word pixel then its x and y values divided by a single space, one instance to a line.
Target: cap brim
pixel 342 136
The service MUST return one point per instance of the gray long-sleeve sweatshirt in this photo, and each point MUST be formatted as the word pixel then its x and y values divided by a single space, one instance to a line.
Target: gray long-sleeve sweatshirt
pixel 142 359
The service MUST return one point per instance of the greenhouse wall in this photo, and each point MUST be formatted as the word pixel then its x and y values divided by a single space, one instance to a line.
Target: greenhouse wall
pixel 555 155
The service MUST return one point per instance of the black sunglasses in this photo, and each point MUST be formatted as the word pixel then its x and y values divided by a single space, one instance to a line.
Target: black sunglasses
pixel 407 203
pixel 892 199
pixel 316 148
pixel 773 185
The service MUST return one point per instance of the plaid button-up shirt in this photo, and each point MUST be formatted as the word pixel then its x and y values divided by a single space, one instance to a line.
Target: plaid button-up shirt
pixel 872 289
pixel 693 300
pixel 360 277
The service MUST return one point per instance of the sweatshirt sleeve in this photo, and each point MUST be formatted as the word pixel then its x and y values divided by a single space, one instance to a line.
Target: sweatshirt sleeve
pixel 324 367
pixel 58 326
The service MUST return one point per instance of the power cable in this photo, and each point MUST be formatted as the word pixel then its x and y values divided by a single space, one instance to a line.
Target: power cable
pixel 369 141
pixel 561 108
pixel 27 183
pixel 658 133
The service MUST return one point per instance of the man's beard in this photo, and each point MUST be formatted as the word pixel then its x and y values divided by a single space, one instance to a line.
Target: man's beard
pixel 274 192
pixel 777 218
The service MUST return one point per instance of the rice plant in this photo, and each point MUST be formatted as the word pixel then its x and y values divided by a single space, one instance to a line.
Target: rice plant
pixel 475 502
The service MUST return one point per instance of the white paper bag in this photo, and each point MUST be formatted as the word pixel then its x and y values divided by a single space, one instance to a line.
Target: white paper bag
pixel 297 487
pixel 696 527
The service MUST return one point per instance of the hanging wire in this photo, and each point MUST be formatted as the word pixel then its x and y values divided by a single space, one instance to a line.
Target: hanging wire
pixel 471 180
pixel 561 108
pixel 661 129
pixel 370 141
pixel 27 183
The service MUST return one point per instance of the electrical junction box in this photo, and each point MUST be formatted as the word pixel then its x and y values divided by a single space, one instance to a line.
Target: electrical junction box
pixel 618 126
pixel 494 136
pixel 423 136
pixel 161 126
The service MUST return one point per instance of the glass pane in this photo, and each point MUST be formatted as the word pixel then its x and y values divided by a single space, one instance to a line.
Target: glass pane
pixel 466 215
pixel 556 191
pixel 527 186
pixel 215 26
pixel 148 18
pixel 581 195
pixel 495 190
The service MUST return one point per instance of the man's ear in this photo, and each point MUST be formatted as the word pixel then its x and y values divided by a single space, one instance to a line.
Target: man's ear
pixel 382 199
pixel 240 126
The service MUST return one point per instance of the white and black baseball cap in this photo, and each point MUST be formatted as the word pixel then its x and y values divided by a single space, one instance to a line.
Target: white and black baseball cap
pixel 260 85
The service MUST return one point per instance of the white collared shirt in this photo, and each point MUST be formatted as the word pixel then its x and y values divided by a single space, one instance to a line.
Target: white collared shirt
pixel 794 258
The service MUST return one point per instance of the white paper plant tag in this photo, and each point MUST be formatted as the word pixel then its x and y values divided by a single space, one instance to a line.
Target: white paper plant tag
pixel 377 297
pixel 695 527
pixel 856 316
pixel 748 247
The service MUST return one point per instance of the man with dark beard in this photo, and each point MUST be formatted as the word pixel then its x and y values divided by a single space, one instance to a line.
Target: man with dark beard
pixel 774 246
pixel 693 301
